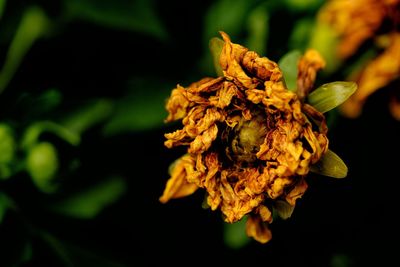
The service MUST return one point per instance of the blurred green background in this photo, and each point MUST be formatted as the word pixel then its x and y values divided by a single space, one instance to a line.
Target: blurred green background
pixel 82 163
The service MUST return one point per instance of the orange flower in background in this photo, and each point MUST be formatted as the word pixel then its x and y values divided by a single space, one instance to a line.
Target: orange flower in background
pixel 250 141
pixel 355 22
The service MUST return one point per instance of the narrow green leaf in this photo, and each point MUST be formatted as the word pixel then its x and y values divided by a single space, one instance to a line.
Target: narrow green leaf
pixel 216 44
pixel 141 109
pixel 331 95
pixel 258 27
pixel 58 248
pixel 226 15
pixel 2 5
pixel 324 40
pixel 284 209
pixel 330 165
pixel 301 5
pixel 7 144
pixel 89 203
pixel 90 114
pixel 3 206
pixel 288 65
pixel 235 236
pixel 27 252
pixel 139 15
pixel 300 35
pixel 33 132
pixel 33 25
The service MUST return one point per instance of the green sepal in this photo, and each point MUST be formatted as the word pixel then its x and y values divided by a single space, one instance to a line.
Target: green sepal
pixel 330 95
pixel 283 209
pixel 288 65
pixel 216 44
pixel 330 165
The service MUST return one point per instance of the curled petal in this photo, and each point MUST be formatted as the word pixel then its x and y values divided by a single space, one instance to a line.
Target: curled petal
pixel 177 104
pixel 177 186
pixel 202 142
pixel 258 229
pixel 224 95
pixel 261 67
pixel 265 213
pixel 206 85
pixel 308 67
pixel 297 192
pixel 377 74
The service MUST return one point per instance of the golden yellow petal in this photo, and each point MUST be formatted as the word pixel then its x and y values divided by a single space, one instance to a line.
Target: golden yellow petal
pixel 308 66
pixel 177 186
pixel 258 229
pixel 177 104
pixel 202 142
pixel 265 214
pixel 297 192
pixel 394 107
pixel 377 74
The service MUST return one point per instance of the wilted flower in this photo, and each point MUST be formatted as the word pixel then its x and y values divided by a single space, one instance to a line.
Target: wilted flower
pixel 250 140
pixel 355 22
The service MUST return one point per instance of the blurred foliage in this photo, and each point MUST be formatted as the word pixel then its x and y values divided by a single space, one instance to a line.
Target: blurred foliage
pixel 83 85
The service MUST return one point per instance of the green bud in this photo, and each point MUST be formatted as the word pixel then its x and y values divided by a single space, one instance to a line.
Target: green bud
pixel 42 165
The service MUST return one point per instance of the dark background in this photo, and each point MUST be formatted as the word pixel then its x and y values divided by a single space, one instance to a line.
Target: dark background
pixel 338 223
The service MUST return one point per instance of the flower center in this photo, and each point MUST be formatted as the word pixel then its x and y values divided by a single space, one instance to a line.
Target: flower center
pixel 246 139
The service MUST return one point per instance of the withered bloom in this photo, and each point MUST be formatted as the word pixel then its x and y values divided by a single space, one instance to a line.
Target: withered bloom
pixel 355 22
pixel 250 141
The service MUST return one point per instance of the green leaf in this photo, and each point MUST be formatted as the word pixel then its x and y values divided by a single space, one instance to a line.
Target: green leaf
pixel 42 165
pixel 324 40
pixel 58 248
pixel 331 95
pixel 226 15
pixel 92 113
pixel 330 165
pixel 235 236
pixel 33 132
pixel 4 204
pixel 223 15
pixel 89 203
pixel 284 209
pixel 141 109
pixel 216 44
pixel 2 5
pixel 288 65
pixel 139 15
pixel 300 35
pixel 301 5
pixel 34 24
pixel 7 144
pixel 258 28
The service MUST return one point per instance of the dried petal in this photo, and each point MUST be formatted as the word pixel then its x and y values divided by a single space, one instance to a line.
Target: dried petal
pixel 258 229
pixel 177 186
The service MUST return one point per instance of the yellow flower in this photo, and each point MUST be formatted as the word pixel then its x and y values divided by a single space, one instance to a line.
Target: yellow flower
pixel 355 22
pixel 250 141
